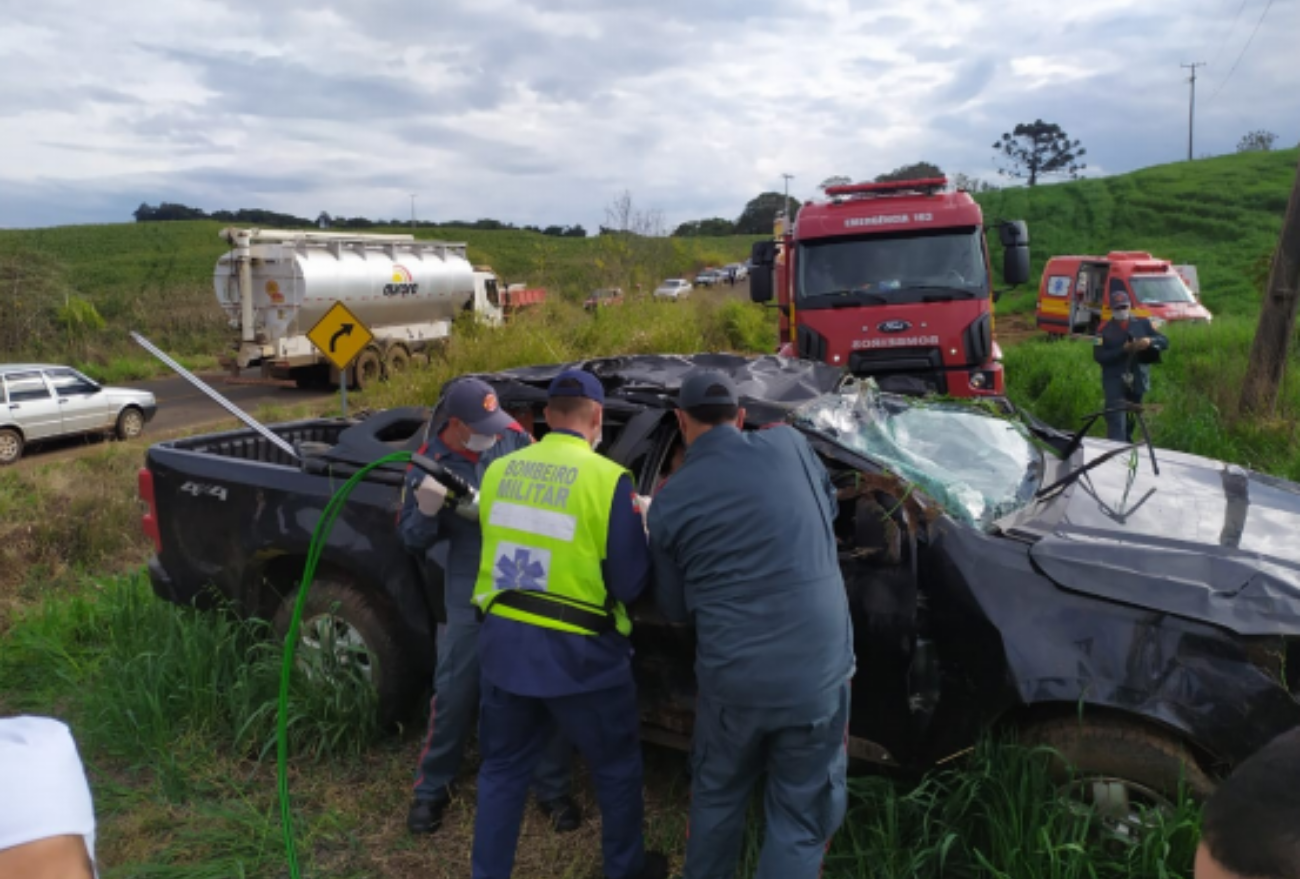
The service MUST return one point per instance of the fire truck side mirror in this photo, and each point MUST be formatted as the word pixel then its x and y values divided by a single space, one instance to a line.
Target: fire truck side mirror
pixel 1015 265
pixel 760 284
pixel 763 253
pixel 1014 233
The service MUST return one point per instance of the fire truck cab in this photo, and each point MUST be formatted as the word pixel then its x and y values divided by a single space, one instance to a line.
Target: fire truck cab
pixel 893 281
pixel 1074 295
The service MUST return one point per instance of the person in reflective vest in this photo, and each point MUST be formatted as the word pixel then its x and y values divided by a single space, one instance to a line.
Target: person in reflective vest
pixel 468 433
pixel 564 551
pixel 743 542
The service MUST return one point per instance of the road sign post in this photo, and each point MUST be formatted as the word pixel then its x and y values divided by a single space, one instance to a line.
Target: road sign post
pixel 340 337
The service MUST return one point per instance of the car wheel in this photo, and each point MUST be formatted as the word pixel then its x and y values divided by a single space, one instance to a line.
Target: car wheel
pixel 368 370
pixel 11 446
pixel 343 627
pixel 1120 769
pixel 130 423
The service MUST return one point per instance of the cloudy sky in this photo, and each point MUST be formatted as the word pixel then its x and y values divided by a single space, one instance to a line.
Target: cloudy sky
pixel 542 111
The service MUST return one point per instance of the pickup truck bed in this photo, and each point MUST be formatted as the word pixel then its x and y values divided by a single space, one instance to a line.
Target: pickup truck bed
pixel 232 516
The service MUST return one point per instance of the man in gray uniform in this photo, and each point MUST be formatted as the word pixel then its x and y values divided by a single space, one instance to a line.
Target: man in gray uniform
pixel 1126 347
pixel 742 541
pixel 472 433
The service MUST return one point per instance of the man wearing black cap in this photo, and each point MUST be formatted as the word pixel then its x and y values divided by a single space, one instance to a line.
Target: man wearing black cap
pixel 743 545
pixel 1126 347
pixel 563 552
pixel 472 432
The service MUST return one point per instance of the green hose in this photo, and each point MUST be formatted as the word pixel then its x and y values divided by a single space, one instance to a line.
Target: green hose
pixel 318 540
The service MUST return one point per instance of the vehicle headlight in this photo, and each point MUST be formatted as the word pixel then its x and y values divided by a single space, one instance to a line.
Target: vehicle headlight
pixel 979 381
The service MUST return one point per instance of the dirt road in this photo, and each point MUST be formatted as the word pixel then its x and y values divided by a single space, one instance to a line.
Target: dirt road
pixel 183 407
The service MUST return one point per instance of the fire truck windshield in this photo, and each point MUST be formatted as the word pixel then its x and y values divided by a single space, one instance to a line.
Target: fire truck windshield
pixel 1159 289
pixel 888 268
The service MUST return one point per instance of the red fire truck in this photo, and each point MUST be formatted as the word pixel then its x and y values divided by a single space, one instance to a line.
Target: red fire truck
pixel 892 280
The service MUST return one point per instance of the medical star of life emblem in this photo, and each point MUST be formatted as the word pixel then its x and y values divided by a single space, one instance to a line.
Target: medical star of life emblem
pixel 521 567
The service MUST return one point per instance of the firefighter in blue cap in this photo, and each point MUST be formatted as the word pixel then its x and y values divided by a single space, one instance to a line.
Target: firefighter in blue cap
pixel 743 545
pixel 564 552
pixel 469 432
pixel 1126 347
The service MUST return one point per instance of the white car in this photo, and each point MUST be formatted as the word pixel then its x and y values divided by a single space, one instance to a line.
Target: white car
pixel 674 289
pixel 39 401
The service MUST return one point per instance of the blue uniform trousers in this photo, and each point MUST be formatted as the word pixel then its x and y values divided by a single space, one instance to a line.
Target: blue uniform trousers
pixel 454 711
pixel 604 725
pixel 1118 395
pixel 803 753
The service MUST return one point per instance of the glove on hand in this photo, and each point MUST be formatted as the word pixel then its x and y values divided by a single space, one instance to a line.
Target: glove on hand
pixel 430 495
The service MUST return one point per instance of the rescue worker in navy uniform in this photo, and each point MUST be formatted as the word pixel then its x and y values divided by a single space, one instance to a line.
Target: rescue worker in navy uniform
pixel 475 433
pixel 743 544
pixel 1126 347
pixel 564 550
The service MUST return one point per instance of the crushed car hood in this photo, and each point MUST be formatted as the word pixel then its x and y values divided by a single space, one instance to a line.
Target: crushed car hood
pixel 1204 540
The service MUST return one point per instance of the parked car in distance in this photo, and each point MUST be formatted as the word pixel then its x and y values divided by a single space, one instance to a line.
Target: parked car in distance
pixel 603 296
pixel 673 289
pixel 709 277
pixel 41 401
pixel 742 271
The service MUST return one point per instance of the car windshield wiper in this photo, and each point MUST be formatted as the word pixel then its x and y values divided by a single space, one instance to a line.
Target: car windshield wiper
pixel 1077 440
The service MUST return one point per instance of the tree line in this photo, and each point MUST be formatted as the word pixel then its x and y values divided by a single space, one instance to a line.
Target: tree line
pixel 164 211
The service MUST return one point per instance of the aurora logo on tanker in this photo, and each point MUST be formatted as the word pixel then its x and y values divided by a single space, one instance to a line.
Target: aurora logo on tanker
pixel 403 283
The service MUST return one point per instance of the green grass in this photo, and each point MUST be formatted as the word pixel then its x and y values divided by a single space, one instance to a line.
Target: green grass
pixel 1222 215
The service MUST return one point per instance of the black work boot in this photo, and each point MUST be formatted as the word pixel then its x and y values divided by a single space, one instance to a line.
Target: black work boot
pixel 656 866
pixel 425 816
pixel 564 814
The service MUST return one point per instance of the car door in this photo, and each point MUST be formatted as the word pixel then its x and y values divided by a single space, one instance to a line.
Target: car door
pixel 83 403
pixel 32 405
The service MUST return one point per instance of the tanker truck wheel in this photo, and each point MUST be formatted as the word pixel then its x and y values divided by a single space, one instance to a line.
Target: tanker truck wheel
pixel 397 359
pixel 368 370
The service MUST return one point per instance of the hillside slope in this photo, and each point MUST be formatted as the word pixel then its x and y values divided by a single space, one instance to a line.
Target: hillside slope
pixel 1222 214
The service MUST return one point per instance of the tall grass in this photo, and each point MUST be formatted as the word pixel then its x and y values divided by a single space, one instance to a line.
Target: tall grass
pixel 562 332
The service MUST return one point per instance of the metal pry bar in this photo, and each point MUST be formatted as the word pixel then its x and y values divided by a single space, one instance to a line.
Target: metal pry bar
pixel 221 401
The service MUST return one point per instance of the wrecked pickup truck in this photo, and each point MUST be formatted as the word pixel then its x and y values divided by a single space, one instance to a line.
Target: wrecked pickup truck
pixel 1001 574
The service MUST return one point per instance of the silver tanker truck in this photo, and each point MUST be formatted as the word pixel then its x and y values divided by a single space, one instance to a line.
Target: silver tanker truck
pixel 275 285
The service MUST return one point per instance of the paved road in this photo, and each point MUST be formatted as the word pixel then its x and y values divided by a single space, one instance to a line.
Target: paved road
pixel 182 407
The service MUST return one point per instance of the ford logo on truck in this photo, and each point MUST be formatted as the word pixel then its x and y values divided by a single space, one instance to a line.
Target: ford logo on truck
pixel 894 326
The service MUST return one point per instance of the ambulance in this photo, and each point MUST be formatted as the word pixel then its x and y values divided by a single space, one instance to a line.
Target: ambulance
pixel 1074 295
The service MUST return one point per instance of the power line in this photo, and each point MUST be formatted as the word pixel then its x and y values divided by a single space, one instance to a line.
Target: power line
pixel 1244 48
pixel 1231 28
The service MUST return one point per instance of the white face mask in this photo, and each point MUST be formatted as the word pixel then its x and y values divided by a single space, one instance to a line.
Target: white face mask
pixel 1121 314
pixel 478 442
pixel 595 440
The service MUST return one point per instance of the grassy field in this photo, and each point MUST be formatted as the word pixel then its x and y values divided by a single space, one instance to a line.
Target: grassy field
pixel 1222 215
pixel 156 278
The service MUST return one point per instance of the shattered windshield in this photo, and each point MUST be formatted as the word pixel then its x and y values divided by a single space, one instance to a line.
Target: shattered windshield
pixel 977 466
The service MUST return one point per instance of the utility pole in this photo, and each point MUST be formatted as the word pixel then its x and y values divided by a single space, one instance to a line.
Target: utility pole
pixel 1191 107
pixel 785 205
pixel 412 210
pixel 1268 354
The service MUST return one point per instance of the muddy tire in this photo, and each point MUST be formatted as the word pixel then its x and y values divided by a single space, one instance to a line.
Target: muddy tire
pixel 368 371
pixel 360 632
pixel 1114 765
pixel 396 360
pixel 11 446
pixel 130 423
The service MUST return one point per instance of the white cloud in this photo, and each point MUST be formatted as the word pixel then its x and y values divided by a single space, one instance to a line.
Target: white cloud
pixel 540 111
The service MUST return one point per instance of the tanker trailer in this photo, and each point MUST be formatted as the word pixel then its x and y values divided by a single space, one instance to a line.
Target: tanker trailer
pixel 275 285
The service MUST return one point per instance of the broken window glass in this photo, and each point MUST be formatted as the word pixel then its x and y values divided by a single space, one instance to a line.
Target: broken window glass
pixel 978 466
